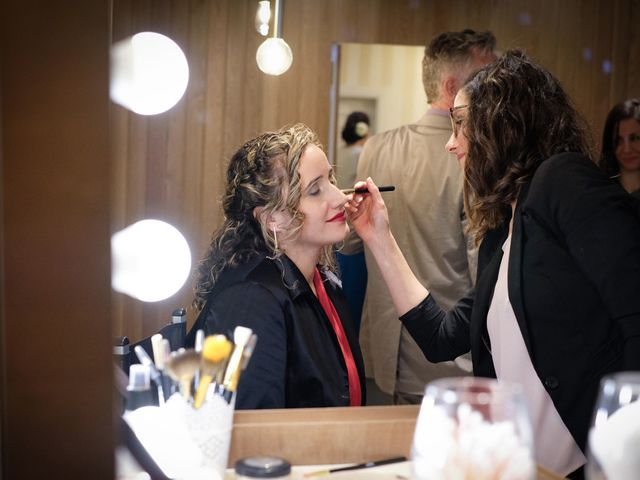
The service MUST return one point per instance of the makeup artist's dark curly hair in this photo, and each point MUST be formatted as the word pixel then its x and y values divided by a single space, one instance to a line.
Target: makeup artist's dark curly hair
pixel 622 111
pixel 518 116
pixel 262 173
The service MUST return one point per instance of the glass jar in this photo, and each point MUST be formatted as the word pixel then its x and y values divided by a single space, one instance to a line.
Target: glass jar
pixel 473 428
pixel 614 438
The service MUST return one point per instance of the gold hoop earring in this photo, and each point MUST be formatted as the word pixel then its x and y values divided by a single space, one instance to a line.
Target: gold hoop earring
pixel 275 239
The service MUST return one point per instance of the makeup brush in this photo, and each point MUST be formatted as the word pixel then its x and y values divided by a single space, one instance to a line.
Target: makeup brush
pixel 359 466
pixel 215 351
pixel 158 352
pixel 248 350
pixel 182 366
pixel 169 385
pixel 145 359
pixel 383 188
pixel 199 341
pixel 161 351
pixel 241 336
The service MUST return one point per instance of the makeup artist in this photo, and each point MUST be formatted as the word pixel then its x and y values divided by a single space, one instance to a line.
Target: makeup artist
pixel 555 307
pixel 270 267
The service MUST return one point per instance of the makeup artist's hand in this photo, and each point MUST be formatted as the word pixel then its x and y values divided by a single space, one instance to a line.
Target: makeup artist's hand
pixel 368 213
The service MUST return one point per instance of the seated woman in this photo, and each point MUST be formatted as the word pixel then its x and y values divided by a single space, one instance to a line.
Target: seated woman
pixel 270 268
pixel 620 157
pixel 555 306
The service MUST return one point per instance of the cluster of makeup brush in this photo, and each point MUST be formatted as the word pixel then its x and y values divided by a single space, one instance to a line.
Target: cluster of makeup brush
pixel 215 363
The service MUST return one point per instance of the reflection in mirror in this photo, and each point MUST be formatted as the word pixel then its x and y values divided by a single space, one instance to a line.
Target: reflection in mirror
pixel 141 267
pixel 383 81
pixel 149 73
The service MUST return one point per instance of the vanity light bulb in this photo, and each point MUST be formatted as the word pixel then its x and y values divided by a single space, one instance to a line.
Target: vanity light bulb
pixel 149 73
pixel 274 56
pixel 150 259
pixel 263 15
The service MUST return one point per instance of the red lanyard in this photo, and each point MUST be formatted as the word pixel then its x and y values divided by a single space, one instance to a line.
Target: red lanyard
pixel 355 393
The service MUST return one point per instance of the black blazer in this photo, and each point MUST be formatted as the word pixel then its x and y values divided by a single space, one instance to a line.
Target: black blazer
pixel 573 282
pixel 297 361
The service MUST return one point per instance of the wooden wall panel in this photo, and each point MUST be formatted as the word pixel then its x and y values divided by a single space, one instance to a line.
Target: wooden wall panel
pixel 633 79
pixel 172 166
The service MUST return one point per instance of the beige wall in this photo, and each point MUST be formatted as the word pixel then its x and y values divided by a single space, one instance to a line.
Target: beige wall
pixel 390 74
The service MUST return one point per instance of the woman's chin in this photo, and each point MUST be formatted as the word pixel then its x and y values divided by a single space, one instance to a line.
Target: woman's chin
pixel 339 239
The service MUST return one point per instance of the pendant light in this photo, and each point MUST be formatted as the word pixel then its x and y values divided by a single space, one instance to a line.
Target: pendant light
pixel 274 56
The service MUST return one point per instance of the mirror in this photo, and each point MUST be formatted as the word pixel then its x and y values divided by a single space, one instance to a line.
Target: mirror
pixel 383 81
pixel 171 166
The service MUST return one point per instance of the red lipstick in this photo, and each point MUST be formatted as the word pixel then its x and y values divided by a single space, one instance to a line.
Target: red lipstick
pixel 340 217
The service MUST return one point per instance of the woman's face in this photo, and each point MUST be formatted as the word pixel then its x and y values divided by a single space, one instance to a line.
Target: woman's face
pixel 321 203
pixel 628 145
pixel 458 144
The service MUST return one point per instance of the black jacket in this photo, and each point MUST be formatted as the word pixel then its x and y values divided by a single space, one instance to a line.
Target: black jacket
pixel 573 282
pixel 297 361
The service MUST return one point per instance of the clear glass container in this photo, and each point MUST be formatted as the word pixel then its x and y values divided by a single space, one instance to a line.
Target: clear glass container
pixel 473 428
pixel 614 438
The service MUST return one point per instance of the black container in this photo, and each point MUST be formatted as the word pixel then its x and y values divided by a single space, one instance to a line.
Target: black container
pixel 262 467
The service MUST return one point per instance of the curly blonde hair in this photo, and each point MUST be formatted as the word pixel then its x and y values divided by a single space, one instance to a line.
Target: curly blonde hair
pixel 262 173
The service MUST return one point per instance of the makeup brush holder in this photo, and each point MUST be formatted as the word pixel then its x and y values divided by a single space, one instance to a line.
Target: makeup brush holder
pixel 187 443
pixel 210 429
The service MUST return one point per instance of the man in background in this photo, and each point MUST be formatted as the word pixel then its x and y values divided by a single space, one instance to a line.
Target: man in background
pixel 426 215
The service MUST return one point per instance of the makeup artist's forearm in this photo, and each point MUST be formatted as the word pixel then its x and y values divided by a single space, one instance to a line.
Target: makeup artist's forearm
pixel 405 289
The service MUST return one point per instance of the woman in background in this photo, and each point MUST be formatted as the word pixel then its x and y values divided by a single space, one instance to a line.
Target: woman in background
pixel 555 307
pixel 354 133
pixel 620 158
pixel 270 268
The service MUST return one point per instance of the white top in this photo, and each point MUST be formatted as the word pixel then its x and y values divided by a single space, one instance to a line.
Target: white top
pixel 554 447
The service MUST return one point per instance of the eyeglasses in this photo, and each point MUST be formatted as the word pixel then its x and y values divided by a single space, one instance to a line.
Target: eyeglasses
pixel 456 123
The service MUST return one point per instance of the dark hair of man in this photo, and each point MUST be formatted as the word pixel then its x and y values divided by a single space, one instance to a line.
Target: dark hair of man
pixel 518 116
pixel 622 111
pixel 451 50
